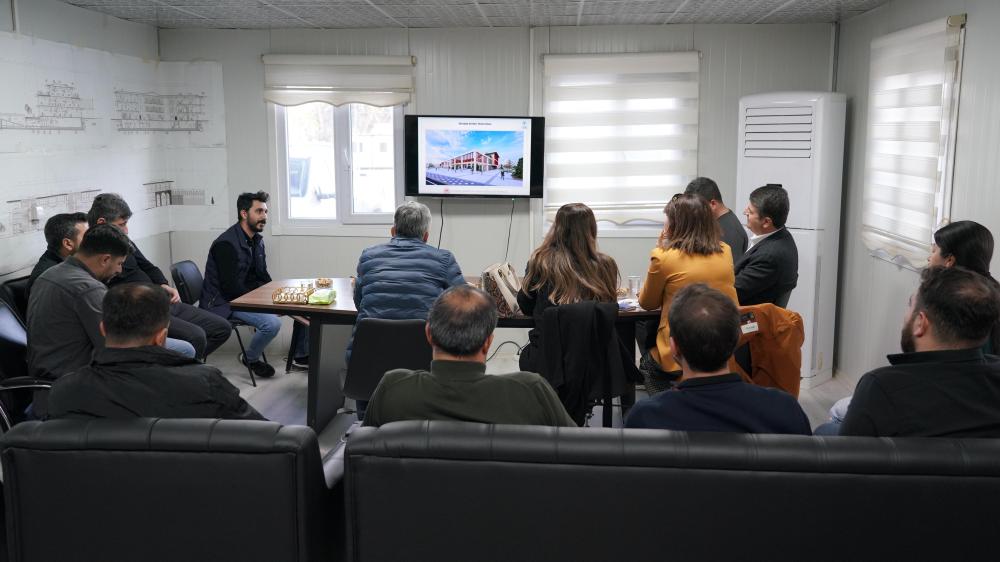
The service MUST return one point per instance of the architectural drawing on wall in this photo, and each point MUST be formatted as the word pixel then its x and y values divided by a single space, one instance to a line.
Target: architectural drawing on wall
pixel 29 215
pixel 163 193
pixel 152 112
pixel 58 107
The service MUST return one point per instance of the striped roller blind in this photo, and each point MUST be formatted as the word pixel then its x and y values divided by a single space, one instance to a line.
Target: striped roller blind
pixel 338 79
pixel 621 132
pixel 912 107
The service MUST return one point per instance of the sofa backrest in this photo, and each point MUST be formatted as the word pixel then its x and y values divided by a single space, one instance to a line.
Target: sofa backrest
pixel 165 489
pixel 461 491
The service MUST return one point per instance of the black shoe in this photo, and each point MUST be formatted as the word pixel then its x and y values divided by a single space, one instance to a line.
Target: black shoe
pixel 301 363
pixel 259 368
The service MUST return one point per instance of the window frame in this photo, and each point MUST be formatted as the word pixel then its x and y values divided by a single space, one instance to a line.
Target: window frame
pixel 890 245
pixel 347 222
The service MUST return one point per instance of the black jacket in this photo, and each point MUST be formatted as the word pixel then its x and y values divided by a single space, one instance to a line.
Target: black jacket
pixel 768 270
pixel 48 259
pixel 147 382
pixel 582 356
pixel 236 265
pixel 137 269
pixel 952 393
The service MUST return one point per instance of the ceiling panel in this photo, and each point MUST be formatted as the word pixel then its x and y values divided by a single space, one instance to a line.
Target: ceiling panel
pixel 262 14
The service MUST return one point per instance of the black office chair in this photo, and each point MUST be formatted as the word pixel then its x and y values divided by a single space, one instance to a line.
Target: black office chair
pixel 369 359
pixel 188 281
pixel 15 293
pixel 16 387
pixel 782 299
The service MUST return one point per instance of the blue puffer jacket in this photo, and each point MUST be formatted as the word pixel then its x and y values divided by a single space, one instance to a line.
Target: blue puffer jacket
pixel 400 280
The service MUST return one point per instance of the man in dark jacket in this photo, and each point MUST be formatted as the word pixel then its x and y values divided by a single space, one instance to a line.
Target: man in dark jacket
pixel 733 232
pixel 134 376
pixel 460 330
pixel 401 279
pixel 769 269
pixel 237 264
pixel 205 332
pixel 63 235
pixel 941 385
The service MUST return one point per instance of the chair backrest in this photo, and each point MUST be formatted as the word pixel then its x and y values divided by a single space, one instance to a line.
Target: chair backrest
pixel 782 299
pixel 380 346
pixel 187 280
pixel 507 492
pixel 15 293
pixel 165 489
pixel 13 344
pixel 583 356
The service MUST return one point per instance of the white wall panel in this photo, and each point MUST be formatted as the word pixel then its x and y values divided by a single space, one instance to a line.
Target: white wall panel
pixel 56 21
pixel 873 293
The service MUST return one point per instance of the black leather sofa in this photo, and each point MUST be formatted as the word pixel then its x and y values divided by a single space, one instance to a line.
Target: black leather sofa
pixel 436 491
pixel 171 490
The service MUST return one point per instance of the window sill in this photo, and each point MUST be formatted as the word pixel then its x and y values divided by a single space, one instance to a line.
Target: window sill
pixel 643 233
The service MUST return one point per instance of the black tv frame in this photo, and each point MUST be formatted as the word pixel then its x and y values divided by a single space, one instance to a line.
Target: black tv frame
pixel 410 168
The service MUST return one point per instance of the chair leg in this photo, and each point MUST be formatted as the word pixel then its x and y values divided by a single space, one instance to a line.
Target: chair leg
pixel 239 339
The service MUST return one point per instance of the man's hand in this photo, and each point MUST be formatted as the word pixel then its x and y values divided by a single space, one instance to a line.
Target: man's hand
pixel 175 297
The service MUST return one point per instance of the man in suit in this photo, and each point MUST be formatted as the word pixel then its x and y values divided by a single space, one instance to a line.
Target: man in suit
pixel 769 269
pixel 732 230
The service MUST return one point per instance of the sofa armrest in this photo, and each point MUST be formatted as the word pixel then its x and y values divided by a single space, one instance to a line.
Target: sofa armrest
pixel 333 466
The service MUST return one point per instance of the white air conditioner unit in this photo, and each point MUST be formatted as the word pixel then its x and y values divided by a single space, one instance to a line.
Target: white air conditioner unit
pixel 796 139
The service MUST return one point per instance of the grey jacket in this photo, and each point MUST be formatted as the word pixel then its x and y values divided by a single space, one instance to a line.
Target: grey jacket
pixel 64 317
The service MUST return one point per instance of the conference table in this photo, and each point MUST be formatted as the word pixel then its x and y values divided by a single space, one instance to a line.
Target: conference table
pixel 329 333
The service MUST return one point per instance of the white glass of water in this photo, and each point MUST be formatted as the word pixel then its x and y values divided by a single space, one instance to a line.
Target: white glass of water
pixel 633 286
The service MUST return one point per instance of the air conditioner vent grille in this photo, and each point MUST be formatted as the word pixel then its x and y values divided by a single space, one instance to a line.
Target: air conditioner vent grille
pixel 778 132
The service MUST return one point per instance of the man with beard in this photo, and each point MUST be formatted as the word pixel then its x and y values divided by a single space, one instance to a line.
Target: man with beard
pixel 941 385
pixel 237 264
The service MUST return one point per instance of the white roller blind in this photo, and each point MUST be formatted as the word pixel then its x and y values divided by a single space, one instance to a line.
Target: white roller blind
pixel 912 107
pixel 298 79
pixel 621 132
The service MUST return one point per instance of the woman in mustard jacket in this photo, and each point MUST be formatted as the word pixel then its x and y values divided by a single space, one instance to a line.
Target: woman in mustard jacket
pixel 689 251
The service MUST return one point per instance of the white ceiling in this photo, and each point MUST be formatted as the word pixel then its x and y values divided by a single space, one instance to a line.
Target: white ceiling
pixel 262 14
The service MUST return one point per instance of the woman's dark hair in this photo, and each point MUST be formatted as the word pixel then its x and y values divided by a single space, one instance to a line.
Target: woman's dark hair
pixel 969 242
pixel 691 227
pixel 569 262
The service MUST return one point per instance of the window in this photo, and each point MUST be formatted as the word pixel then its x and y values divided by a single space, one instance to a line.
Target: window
pixel 323 183
pixel 337 131
pixel 621 133
pixel 914 85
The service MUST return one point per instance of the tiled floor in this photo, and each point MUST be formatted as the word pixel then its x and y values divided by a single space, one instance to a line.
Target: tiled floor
pixel 283 397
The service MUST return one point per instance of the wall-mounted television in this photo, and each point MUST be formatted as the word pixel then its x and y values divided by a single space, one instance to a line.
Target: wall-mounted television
pixel 474 156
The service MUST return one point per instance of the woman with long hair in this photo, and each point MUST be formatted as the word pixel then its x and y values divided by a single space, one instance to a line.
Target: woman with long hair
pixel 689 251
pixel 566 268
pixel 966 244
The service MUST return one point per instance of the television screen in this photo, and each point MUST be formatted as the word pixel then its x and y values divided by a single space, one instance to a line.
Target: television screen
pixel 474 156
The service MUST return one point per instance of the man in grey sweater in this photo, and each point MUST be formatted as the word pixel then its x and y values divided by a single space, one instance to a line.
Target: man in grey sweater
pixel 64 309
